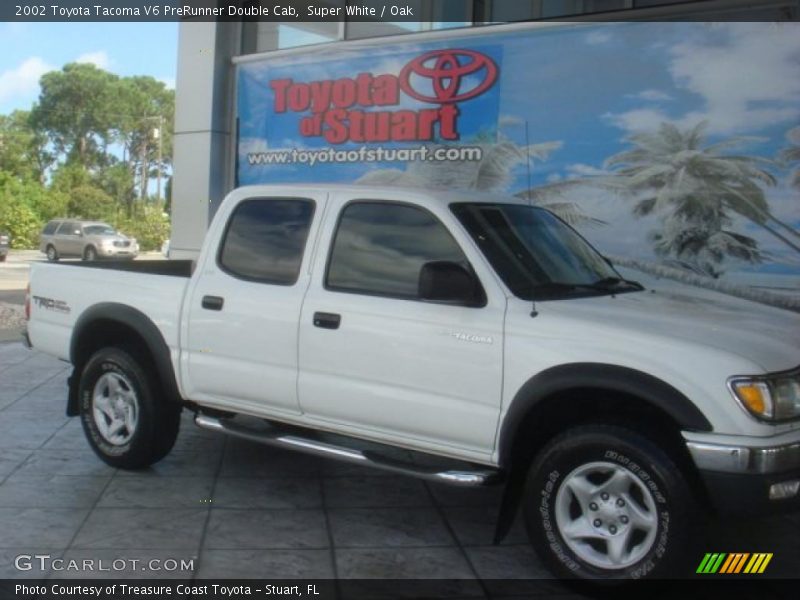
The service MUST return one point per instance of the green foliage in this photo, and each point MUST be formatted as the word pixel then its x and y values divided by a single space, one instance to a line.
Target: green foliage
pixel 148 225
pixel 16 215
pixel 76 110
pixel 22 149
pixel 89 202
pixel 45 203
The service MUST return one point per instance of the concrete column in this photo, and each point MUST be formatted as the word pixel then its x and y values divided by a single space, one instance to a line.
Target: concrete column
pixel 203 162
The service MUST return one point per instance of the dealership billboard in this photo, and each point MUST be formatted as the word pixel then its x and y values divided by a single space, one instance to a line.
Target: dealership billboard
pixel 665 143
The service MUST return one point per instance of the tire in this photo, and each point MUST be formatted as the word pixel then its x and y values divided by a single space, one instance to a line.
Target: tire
pixel 90 254
pixel 52 253
pixel 3 257
pixel 127 424
pixel 603 502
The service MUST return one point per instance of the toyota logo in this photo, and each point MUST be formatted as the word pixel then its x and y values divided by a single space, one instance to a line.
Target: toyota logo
pixel 446 70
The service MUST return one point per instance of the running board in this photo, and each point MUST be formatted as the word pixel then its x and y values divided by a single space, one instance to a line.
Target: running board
pixel 291 441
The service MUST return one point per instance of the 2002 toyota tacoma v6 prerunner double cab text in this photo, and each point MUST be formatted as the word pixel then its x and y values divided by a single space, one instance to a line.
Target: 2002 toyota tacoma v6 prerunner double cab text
pixel 471 327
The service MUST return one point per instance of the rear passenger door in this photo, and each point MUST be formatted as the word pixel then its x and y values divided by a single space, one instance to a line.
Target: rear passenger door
pixel 243 309
pixel 377 358
pixel 68 242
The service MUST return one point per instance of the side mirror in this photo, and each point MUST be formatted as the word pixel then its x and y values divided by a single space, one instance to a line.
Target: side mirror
pixel 444 281
pixel 78 232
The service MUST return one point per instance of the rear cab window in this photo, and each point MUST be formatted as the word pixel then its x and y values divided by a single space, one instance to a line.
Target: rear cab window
pixel 265 240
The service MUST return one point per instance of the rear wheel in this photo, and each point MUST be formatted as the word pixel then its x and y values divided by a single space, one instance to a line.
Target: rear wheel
pixel 52 253
pixel 3 257
pixel 126 423
pixel 603 502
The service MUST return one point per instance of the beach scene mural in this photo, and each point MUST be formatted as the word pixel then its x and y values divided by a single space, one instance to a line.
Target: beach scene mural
pixel 673 147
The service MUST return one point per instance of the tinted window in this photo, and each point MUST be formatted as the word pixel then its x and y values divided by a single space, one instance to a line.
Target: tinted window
pixel 50 228
pixel 67 228
pixel 380 249
pixel 265 240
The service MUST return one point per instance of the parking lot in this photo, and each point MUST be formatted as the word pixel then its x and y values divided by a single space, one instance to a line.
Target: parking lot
pixel 239 509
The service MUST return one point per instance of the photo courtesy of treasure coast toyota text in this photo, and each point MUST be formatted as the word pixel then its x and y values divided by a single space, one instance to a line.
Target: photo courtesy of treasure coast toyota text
pixel 472 299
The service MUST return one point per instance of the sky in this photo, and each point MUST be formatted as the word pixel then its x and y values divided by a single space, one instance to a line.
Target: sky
pixel 28 50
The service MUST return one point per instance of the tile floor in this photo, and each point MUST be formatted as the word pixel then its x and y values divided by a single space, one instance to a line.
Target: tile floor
pixel 244 510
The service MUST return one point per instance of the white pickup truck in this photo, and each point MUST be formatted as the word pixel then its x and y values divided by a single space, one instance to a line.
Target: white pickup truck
pixel 472 327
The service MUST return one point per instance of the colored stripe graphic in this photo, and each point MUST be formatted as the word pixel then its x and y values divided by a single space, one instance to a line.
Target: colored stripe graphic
pixel 734 563
pixel 723 563
pixel 758 563
pixel 711 562
pixel 701 568
pixel 741 562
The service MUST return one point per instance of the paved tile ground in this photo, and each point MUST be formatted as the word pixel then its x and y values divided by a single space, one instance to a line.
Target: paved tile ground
pixel 245 510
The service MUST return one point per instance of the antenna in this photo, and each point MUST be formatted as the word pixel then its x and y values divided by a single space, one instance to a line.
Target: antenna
pixel 528 161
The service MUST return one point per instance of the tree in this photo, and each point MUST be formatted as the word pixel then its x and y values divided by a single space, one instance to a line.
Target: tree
pixel 77 108
pixel 16 215
pixel 23 150
pixel 791 154
pixel 697 187
pixel 145 106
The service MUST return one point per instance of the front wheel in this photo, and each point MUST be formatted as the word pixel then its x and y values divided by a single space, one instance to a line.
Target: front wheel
pixel 603 502
pixel 126 423
pixel 90 254
pixel 52 253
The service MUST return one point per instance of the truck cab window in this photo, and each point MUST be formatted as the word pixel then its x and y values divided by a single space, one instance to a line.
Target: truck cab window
pixel 265 240
pixel 380 247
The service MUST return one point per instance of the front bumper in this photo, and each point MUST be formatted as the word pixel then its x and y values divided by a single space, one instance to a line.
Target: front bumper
pixel 119 253
pixel 738 478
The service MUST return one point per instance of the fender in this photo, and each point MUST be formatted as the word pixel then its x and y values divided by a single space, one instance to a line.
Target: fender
pixel 612 378
pixel 563 378
pixel 144 327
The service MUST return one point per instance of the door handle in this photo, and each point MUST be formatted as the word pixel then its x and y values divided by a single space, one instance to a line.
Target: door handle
pixel 213 302
pixel 327 320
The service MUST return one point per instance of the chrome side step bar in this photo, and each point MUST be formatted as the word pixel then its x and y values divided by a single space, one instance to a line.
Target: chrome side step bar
pixel 291 441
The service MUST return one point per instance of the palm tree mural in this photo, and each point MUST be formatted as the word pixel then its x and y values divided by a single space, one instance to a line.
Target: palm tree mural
pixel 698 188
pixel 791 154
pixel 494 172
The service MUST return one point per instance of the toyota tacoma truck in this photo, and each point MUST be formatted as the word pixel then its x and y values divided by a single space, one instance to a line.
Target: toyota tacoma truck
pixel 475 328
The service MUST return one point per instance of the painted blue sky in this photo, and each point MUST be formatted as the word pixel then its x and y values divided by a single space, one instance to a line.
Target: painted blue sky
pixel 28 50
pixel 590 87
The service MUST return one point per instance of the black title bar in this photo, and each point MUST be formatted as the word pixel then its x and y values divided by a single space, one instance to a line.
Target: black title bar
pixel 215 10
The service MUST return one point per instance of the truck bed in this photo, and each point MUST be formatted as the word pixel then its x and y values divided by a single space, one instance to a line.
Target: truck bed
pixel 171 268
pixel 62 292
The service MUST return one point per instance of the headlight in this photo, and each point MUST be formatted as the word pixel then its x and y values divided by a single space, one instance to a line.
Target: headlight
pixel 774 397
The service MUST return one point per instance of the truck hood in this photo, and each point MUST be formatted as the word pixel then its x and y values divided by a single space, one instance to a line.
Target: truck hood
pixel 768 337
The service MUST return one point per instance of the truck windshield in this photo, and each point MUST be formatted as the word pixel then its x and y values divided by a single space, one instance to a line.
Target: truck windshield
pixel 536 254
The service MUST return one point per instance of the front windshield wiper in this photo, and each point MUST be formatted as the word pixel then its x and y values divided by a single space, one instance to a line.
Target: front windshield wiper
pixel 553 287
pixel 610 283
pixel 607 284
